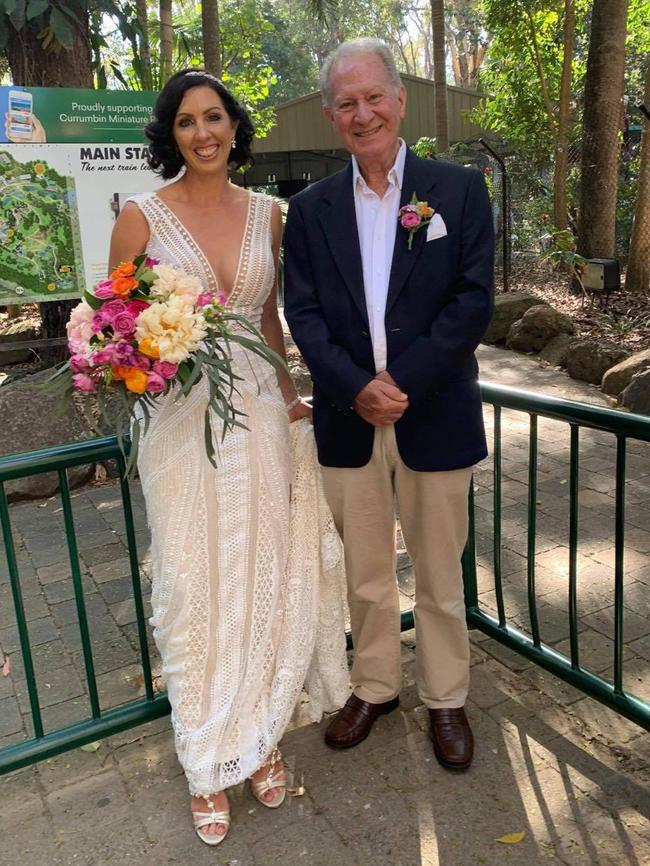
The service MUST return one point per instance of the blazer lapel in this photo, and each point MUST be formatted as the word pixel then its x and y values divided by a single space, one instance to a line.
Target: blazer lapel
pixel 339 222
pixel 404 259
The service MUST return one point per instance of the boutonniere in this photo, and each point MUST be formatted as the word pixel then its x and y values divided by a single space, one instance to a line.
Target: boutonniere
pixel 414 215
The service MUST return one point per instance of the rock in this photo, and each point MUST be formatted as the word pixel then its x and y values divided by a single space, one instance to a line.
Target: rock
pixel 537 326
pixel 588 360
pixel 508 308
pixel 17 332
pixel 617 378
pixel 636 397
pixel 556 350
pixel 31 419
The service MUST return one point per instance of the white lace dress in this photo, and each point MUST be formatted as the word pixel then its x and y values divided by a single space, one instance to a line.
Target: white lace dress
pixel 248 582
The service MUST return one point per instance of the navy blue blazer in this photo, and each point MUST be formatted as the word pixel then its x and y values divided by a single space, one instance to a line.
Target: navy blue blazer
pixel 440 301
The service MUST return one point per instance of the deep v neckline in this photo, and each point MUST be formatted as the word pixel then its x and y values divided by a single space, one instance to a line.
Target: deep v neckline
pixel 244 246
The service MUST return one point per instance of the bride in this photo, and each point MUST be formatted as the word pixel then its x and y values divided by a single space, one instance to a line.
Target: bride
pixel 247 586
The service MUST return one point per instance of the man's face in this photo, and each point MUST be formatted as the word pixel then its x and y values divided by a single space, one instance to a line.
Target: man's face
pixel 366 109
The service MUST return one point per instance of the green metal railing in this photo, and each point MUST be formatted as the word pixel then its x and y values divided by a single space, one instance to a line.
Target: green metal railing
pixel 103 723
pixel 623 427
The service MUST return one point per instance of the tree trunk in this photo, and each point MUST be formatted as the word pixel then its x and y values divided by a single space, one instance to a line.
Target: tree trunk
pixel 166 40
pixel 142 14
pixel 32 66
pixel 602 121
pixel 455 60
pixel 440 74
pixel 211 36
pixel 638 269
pixel 562 140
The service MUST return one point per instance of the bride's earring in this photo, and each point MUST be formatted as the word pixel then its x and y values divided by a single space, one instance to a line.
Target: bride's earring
pixel 233 143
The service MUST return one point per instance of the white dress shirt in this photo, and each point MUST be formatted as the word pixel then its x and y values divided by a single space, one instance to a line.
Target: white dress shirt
pixel 377 227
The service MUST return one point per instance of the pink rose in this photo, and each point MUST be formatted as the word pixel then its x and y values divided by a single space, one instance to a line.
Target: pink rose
pixel 123 350
pixel 79 364
pixel 104 356
pixel 84 383
pixel 104 290
pixel 124 324
pixel 222 298
pixel 139 361
pixel 113 308
pixel 150 262
pixel 105 315
pixel 101 320
pixel 204 299
pixel 155 383
pixel 165 369
pixel 410 220
pixel 136 307
pixel 114 353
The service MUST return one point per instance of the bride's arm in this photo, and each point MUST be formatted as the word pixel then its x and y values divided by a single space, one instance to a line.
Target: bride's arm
pixel 130 236
pixel 271 328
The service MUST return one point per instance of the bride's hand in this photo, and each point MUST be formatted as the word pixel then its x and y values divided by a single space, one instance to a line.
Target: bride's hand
pixel 300 410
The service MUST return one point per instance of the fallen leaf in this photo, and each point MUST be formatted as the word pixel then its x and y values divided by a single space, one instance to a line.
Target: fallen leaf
pixel 100 473
pixel 6 667
pixel 138 681
pixel 91 747
pixel 512 838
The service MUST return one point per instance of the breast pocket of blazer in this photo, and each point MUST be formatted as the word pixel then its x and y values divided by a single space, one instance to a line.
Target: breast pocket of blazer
pixel 442 248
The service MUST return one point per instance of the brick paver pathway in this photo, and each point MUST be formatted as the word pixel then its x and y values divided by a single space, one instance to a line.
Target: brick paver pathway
pixel 571 774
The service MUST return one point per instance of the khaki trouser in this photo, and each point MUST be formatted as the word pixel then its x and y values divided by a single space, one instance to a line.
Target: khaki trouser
pixel 433 513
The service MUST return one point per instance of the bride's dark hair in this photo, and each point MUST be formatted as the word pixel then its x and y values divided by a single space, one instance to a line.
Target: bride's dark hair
pixel 164 156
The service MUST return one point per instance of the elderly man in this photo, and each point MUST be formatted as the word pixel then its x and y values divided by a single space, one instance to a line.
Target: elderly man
pixel 387 307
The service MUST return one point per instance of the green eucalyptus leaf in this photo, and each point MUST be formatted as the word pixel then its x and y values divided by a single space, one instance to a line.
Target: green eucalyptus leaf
pixel 92 301
pixel 36 8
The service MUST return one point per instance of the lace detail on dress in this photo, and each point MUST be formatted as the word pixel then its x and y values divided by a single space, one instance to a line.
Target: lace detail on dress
pixel 248 582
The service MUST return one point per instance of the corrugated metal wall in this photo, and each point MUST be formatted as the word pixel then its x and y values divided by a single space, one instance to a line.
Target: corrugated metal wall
pixel 301 125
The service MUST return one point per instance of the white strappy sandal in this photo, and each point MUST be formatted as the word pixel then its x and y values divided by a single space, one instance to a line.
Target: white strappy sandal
pixel 204 819
pixel 271 782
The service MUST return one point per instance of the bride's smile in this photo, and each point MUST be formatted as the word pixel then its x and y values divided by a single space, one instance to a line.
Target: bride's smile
pixel 203 130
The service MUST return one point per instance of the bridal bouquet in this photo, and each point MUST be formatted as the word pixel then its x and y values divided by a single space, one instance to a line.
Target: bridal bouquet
pixel 146 330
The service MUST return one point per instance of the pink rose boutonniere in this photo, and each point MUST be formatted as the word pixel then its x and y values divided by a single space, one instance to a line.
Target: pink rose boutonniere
pixel 413 216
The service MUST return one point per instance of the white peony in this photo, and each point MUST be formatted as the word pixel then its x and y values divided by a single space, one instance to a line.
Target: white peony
pixel 172 281
pixel 80 330
pixel 174 327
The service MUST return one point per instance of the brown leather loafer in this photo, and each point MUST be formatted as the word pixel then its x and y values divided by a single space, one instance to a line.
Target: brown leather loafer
pixel 453 743
pixel 353 723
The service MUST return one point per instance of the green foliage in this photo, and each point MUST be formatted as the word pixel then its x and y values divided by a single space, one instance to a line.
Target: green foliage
pixel 516 108
pixel 638 49
pixel 425 147
pixel 54 21
pixel 562 252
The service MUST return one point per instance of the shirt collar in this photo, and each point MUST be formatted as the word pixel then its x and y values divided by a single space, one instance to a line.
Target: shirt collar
pixel 395 174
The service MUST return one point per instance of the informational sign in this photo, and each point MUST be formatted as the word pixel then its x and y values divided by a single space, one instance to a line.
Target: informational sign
pixel 64 115
pixel 69 160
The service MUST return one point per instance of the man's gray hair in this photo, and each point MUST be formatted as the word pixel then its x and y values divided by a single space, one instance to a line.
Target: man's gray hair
pixel 364 45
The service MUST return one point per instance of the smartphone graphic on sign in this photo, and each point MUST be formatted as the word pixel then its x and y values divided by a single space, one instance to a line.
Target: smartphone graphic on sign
pixel 19 119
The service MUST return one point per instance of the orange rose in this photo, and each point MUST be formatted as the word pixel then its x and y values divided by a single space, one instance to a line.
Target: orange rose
pixel 426 211
pixel 136 380
pixel 123 286
pixel 121 373
pixel 126 269
pixel 149 347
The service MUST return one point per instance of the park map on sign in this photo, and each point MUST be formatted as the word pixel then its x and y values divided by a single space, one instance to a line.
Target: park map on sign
pixel 39 232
